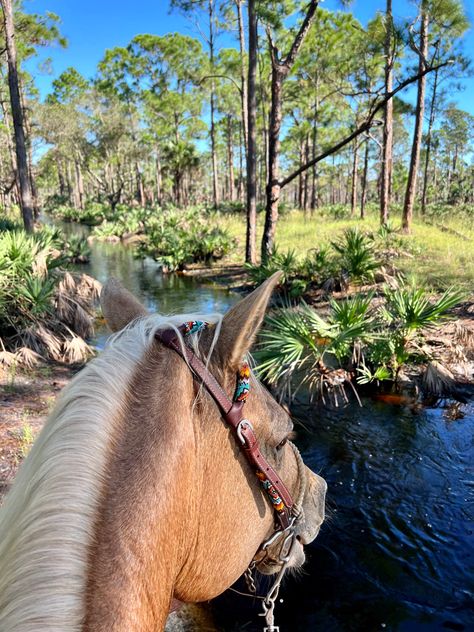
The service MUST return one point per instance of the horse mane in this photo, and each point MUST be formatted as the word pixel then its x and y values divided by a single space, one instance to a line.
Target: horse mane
pixel 47 520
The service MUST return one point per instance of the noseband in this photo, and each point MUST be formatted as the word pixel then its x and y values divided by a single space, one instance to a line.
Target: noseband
pixel 287 512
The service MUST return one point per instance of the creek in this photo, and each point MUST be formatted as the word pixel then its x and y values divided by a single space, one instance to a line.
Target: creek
pixel 396 552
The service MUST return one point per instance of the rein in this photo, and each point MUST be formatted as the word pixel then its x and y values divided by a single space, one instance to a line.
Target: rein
pixel 287 512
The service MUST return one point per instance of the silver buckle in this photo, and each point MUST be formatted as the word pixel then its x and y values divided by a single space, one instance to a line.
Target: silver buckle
pixel 278 533
pixel 241 437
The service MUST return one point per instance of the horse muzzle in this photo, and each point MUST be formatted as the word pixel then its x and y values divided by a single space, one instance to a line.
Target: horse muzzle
pixel 313 514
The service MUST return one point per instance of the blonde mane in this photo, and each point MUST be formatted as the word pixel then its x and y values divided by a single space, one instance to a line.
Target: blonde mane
pixel 47 520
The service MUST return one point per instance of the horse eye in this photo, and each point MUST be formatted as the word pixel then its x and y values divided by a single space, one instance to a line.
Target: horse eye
pixel 282 443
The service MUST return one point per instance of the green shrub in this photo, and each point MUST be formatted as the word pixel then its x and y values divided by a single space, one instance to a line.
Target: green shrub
pixel 235 206
pixel 8 224
pixel 298 345
pixel 42 309
pixel 319 265
pixel 176 238
pixel 356 254
pixel 356 338
pixel 338 211
pixel 286 262
pixel 76 249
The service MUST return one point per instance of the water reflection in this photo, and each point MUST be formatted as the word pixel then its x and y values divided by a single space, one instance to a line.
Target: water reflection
pixel 164 293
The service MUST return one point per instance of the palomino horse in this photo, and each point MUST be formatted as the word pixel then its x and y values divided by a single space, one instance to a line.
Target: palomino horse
pixel 136 492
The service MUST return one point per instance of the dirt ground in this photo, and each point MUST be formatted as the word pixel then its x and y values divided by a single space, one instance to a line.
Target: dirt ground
pixel 26 397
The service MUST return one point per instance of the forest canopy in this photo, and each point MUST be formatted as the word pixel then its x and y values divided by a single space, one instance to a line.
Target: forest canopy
pixel 270 105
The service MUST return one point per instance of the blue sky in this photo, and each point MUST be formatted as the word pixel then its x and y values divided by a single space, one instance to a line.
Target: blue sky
pixel 92 26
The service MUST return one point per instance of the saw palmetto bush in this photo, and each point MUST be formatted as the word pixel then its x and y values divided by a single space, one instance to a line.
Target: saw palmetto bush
pixel 359 339
pixel 356 255
pixel 352 258
pixel 300 348
pixel 125 222
pixel 43 309
pixel 176 238
pixel 404 318
pixel 76 249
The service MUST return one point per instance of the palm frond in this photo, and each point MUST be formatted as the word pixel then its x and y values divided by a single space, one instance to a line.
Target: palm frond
pixel 76 350
pixel 438 379
pixel 27 357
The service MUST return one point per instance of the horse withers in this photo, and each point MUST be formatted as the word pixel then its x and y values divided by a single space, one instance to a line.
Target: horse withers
pixel 136 492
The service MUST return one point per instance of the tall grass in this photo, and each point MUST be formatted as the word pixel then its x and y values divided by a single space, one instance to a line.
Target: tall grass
pixel 440 259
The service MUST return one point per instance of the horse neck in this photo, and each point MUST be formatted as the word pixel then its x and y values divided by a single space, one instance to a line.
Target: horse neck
pixel 140 532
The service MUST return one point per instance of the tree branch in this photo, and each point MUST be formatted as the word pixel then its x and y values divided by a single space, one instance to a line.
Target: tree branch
pixel 304 28
pixel 376 107
pixel 221 77
pixel 272 48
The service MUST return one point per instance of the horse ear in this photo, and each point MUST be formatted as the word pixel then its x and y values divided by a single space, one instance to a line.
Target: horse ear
pixel 119 306
pixel 241 323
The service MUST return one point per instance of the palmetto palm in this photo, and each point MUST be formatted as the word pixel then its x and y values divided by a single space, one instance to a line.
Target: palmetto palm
pixel 299 343
pixel 411 309
pixel 356 254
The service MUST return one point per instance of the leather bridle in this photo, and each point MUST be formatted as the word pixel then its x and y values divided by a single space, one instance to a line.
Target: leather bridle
pixel 232 414
pixel 287 512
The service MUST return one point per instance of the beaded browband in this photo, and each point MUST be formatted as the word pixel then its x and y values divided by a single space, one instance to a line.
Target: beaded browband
pixel 232 413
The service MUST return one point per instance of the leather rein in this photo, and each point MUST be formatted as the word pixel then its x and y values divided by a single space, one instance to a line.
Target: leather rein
pixel 232 414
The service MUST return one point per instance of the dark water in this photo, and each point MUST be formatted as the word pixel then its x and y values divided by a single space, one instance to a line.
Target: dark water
pixel 397 550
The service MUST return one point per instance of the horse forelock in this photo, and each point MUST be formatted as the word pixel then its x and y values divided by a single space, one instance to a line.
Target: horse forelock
pixel 47 520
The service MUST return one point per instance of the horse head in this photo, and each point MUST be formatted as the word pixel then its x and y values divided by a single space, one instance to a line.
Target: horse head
pixel 174 507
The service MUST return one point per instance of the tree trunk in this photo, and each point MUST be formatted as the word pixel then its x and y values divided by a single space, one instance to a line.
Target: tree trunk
pixel 243 81
pixel 363 193
pixel 241 188
pixel 79 189
pixel 314 170
pixel 250 246
pixel 140 187
pixel 280 70
pixel 355 170
pixel 10 146
pixel 273 186
pixel 300 179
pixel 61 181
pixel 69 183
pixel 420 109
pixel 387 136
pixel 265 135
pixel 424 194
pixel 158 178
pixel 215 177
pixel 306 176
pixel 26 199
pixel 29 152
pixel 230 158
